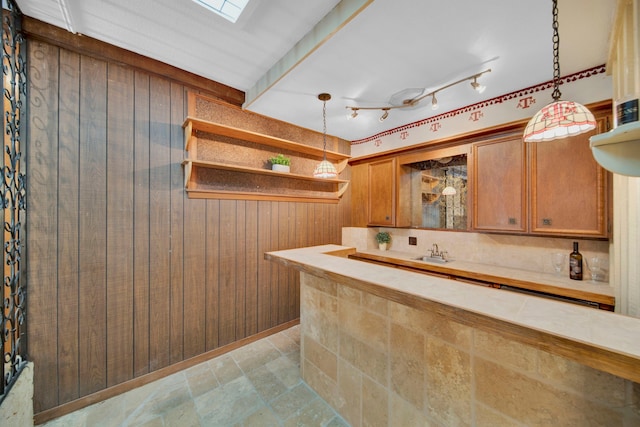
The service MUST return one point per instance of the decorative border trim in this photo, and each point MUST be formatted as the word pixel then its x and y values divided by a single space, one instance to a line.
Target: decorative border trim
pixel 493 101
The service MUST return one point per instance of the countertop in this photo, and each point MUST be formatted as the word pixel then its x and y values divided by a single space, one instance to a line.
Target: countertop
pixel 601 339
pixel 556 284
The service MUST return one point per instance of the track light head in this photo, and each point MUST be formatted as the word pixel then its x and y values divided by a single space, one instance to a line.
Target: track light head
pixel 434 102
pixel 353 114
pixel 477 86
pixel 384 115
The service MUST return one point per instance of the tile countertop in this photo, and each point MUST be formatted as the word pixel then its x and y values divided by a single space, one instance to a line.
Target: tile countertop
pixel 557 284
pixel 601 339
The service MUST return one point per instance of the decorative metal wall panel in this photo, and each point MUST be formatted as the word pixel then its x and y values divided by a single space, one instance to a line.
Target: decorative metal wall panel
pixel 13 196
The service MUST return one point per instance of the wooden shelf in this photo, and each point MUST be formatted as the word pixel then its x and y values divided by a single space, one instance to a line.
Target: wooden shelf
pixel 189 163
pixel 192 124
pixel 235 195
pixel 225 162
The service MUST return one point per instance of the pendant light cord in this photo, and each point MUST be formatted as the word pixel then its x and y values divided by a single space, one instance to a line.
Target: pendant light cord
pixel 556 54
pixel 324 130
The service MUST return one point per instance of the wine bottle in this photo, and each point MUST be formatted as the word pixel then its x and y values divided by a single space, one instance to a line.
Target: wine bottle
pixel 575 263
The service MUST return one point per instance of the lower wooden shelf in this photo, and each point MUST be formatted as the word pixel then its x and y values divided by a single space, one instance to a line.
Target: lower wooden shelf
pixel 226 181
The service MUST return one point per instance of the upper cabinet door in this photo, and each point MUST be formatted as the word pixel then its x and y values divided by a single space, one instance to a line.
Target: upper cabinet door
pixel 382 192
pixel 568 187
pixel 499 185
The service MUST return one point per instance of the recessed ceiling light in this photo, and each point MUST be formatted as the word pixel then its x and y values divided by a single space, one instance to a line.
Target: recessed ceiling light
pixel 228 9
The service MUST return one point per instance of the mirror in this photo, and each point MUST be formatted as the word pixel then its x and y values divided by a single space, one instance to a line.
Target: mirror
pixel 439 193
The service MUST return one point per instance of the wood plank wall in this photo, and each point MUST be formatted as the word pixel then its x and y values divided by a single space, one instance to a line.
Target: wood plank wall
pixel 126 275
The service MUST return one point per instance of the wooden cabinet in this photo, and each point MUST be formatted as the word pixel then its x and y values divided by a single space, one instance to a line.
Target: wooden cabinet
pixel 231 163
pixel 500 185
pixel 360 195
pixel 568 187
pixel 382 192
pixel 545 188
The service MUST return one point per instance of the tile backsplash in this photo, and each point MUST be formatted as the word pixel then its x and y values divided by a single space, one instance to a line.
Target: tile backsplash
pixel 523 252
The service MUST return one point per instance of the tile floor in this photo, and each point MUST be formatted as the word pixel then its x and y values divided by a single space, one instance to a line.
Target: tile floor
pixel 256 385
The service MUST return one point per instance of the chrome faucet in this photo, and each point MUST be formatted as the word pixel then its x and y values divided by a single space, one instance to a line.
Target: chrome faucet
pixel 434 251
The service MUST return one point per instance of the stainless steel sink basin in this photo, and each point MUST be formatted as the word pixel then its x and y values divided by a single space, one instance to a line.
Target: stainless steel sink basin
pixel 434 260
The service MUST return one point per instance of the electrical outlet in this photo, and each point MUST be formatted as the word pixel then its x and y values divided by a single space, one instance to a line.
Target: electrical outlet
pixel 413 241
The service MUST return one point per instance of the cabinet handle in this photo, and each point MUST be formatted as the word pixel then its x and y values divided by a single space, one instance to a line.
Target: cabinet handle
pixel 512 221
pixel 546 221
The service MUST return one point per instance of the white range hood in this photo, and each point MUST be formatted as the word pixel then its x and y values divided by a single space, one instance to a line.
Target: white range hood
pixel 619 149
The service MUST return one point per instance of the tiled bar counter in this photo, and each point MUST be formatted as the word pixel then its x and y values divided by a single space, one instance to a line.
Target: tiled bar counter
pixel 388 347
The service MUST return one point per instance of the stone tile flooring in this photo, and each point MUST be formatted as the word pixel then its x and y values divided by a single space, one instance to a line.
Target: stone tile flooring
pixel 256 385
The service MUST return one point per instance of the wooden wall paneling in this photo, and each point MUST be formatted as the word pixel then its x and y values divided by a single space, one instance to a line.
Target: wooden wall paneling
pixel 194 277
pixel 292 273
pixel 42 165
pixel 127 275
pixel 240 258
pixel 93 225
pixel 178 197
pixel 227 294
pixel 284 272
pixel 264 267
pixel 212 272
pixel 302 240
pixel 141 225
pixel 251 267
pixel 159 224
pixel 318 224
pixel 275 270
pixel 120 114
pixel 68 208
pixel 332 223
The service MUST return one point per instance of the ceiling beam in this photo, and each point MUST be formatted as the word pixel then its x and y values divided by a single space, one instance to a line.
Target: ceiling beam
pixel 336 19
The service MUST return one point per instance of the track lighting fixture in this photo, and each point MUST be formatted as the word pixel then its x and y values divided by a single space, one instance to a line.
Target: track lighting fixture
pixel 412 102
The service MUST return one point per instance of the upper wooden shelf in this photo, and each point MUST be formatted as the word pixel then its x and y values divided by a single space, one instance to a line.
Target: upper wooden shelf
pixel 192 124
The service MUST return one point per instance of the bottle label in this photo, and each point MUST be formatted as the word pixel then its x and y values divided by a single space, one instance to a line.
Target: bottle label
pixel 575 266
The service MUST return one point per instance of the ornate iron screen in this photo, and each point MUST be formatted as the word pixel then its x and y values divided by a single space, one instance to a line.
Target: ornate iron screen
pixel 14 89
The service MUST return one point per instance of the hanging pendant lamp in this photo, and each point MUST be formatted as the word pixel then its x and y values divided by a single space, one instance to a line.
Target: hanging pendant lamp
pixel 560 118
pixel 325 168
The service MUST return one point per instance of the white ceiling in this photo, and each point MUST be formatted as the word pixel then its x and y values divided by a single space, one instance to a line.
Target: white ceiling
pixel 282 53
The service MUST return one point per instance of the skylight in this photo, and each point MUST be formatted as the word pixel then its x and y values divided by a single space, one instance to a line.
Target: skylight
pixel 228 9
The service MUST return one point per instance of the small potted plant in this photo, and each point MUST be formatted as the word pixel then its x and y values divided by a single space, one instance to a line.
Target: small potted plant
pixel 383 238
pixel 280 163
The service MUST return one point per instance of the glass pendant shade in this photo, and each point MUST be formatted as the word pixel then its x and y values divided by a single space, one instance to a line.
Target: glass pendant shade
pixel 449 191
pixel 558 120
pixel 325 169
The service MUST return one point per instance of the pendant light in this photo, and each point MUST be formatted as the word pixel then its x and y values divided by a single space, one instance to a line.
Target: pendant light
pixel 448 189
pixel 560 118
pixel 325 169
